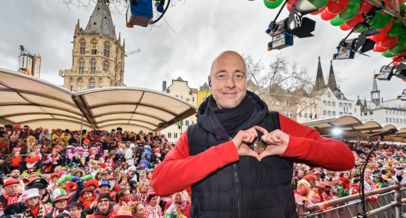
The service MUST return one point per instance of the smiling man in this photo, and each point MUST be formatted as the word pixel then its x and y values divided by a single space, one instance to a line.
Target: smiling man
pixel 228 179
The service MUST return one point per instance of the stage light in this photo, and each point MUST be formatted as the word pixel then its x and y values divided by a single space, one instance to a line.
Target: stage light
pixel 299 26
pixel 336 131
pixel 385 73
pixel 403 96
pixel 140 13
pixel 400 71
pixel 345 50
pixel 281 38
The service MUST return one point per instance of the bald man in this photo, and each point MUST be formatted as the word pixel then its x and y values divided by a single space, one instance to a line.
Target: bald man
pixel 228 179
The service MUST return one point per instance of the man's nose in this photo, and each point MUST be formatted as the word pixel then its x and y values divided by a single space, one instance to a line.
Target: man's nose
pixel 230 82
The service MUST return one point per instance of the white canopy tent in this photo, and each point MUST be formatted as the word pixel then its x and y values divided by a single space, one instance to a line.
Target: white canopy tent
pixel 34 102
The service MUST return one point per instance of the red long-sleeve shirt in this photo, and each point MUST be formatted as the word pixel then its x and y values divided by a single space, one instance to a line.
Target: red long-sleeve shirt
pixel 179 170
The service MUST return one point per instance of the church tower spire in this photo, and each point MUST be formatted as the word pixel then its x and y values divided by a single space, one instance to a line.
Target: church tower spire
pixel 319 78
pixel 332 79
pixel 375 93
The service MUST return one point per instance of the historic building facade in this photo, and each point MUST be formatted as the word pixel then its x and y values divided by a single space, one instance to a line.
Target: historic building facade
pixel 97 54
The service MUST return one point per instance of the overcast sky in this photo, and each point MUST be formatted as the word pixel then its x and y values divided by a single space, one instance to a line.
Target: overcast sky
pixel 183 44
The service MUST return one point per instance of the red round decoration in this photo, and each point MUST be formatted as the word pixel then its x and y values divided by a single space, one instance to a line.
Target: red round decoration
pixel 338 6
pixel 377 37
pixel 326 15
pixel 365 6
pixel 345 27
pixel 355 20
pixel 388 42
pixel 387 28
pixel 378 48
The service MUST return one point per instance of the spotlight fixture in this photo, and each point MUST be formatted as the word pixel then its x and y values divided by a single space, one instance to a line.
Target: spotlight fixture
pixel 385 73
pixel 400 71
pixel 281 37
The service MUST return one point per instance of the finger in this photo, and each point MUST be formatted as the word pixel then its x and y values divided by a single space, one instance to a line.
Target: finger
pixel 264 154
pixel 261 129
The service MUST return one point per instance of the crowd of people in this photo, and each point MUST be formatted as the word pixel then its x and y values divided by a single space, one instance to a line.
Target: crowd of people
pixel 66 173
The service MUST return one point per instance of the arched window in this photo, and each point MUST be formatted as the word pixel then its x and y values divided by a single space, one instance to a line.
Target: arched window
pixel 79 84
pixel 94 47
pixel 100 82
pixel 106 52
pixel 82 44
pixel 93 66
pixel 106 66
pixel 81 66
pixel 92 83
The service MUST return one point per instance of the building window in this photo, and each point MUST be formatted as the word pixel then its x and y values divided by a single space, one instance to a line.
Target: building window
pixel 324 102
pixel 334 113
pixel 81 66
pixel 82 46
pixel 341 113
pixel 106 66
pixel 324 112
pixel 106 52
pixel 92 83
pixel 329 113
pixel 340 104
pixel 94 46
pixel 186 122
pixel 187 99
pixel 315 116
pixel 334 103
pixel 169 135
pixel 175 135
pixel 93 66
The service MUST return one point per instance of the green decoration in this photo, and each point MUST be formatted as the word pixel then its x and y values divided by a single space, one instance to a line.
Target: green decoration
pixel 351 10
pixel 398 29
pixel 272 4
pixel 380 20
pixel 319 3
pixel 336 21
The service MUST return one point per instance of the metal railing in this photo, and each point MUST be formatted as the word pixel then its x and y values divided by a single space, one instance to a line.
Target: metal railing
pixel 391 202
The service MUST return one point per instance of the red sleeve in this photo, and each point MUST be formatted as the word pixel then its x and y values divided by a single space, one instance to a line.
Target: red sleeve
pixel 179 170
pixel 306 145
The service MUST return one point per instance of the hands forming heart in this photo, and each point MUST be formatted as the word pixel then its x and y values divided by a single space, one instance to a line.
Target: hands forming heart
pixel 276 142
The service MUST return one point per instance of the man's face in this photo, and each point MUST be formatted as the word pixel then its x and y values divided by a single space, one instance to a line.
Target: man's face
pixel 11 190
pixel 153 201
pixel 103 205
pixel 15 174
pixel 75 212
pixel 228 80
pixel 61 204
pixel 140 211
pixel 104 189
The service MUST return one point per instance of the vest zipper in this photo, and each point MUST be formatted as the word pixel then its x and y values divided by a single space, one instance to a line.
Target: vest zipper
pixel 237 187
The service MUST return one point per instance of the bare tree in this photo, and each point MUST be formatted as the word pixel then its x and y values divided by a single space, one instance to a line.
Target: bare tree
pixel 282 85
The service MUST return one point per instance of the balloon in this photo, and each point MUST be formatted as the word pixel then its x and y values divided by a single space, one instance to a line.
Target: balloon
pixel 361 29
pixel 365 6
pixel 290 4
pixel 336 21
pixel 398 48
pixel 387 28
pixel 377 37
pixel 388 42
pixel 345 27
pixel 338 6
pixel 380 20
pixel 378 48
pixel 351 10
pixel 319 3
pixel 326 15
pixel 272 4
pixel 355 20
pixel 397 29
pixel 388 54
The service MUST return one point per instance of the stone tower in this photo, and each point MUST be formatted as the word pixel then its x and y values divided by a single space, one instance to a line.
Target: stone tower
pixel 97 54
pixel 320 84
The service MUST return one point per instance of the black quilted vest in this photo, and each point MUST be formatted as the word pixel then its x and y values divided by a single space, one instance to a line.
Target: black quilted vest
pixel 247 188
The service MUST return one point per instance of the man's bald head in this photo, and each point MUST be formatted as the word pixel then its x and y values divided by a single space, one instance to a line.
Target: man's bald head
pixel 225 54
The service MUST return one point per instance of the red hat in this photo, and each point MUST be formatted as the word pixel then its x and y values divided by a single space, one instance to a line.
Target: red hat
pixel 11 181
pixel 54 175
pixel 91 182
pixel 87 189
pixel 60 198
pixel 71 186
